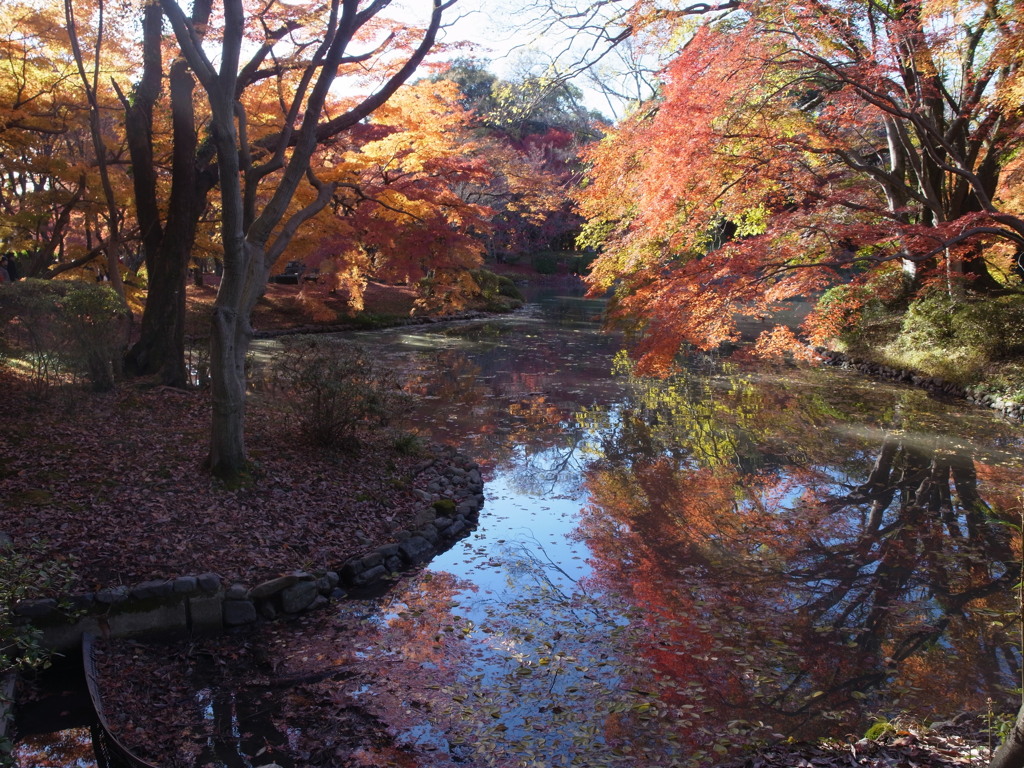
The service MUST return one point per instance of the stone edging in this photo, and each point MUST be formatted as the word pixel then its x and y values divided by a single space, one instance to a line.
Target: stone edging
pixel 976 395
pixel 205 604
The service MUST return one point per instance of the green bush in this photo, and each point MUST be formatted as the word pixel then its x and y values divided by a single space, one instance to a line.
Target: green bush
pixel 499 292
pixel 64 329
pixel 957 339
pixel 333 389
pixel 545 263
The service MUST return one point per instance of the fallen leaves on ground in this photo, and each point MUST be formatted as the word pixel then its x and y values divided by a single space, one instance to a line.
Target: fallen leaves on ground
pixel 113 484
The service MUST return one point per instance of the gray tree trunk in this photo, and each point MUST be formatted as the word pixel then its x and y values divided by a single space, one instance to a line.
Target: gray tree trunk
pixel 1011 753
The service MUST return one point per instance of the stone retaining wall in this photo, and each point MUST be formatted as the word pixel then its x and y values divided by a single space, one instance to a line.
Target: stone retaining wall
pixel 977 395
pixel 204 603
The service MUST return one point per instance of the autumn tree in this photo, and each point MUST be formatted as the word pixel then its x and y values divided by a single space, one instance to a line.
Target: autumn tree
pixel 55 211
pixel 398 212
pixel 797 148
pixel 260 173
pixel 538 125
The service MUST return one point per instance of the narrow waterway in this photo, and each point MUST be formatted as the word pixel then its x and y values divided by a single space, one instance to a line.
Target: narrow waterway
pixel 665 571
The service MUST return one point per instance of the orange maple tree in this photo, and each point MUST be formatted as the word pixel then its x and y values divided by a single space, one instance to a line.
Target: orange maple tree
pixel 800 147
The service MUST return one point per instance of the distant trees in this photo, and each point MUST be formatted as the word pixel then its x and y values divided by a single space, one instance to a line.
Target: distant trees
pixel 542 124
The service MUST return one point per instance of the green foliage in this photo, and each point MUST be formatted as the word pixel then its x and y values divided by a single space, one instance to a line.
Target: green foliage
pixel 21 578
pixel 409 444
pixel 580 262
pixel 860 318
pixel 333 389
pixel 20 646
pixel 64 329
pixel 546 262
pixel 958 339
pixel 498 291
pixel 444 507
pixel 879 729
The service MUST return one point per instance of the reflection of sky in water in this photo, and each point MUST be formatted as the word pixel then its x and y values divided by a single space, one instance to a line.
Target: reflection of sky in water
pixel 514 523
pixel 531 584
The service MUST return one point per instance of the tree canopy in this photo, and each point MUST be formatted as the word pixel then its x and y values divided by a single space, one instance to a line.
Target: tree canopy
pixel 796 148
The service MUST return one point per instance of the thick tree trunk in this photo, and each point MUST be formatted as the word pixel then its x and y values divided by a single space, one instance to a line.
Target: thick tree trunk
pixel 231 333
pixel 161 345
pixel 1011 753
pixel 228 346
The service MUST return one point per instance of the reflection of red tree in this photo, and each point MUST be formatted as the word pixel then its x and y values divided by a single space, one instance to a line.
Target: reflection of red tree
pixel 790 605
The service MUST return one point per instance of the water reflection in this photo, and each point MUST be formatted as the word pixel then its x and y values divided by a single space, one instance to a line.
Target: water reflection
pixel 768 553
pixel 665 571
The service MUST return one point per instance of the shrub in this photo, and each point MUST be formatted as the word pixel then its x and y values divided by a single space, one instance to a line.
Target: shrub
pixel 499 292
pixel 957 339
pixel 334 389
pixel 545 263
pixel 64 328
pixel 23 578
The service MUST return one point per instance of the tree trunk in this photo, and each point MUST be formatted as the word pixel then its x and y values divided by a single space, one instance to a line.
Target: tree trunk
pixel 231 333
pixel 161 345
pixel 1011 753
pixel 229 342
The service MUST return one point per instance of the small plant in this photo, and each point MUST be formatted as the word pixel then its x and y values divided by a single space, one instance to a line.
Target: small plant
pixel 880 729
pixel 22 578
pixel 409 444
pixel 63 330
pixel 334 389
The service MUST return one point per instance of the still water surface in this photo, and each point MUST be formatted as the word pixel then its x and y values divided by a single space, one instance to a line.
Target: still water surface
pixel 667 570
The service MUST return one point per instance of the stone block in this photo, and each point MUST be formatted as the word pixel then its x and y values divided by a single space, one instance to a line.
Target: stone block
pixel 372 559
pixel 68 637
pixel 351 569
pixel 272 587
pixel 112 595
pixel 185 585
pixel 318 603
pixel 239 612
pixel 298 597
pixel 371 575
pixel 388 550
pixel 429 533
pixel 416 550
pixel 151 589
pixel 36 609
pixel 209 582
pixel 424 516
pixel 166 619
pixel 237 592
pixel 205 614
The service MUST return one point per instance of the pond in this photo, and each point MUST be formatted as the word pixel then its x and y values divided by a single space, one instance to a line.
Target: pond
pixel 665 571
pixel 667 568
